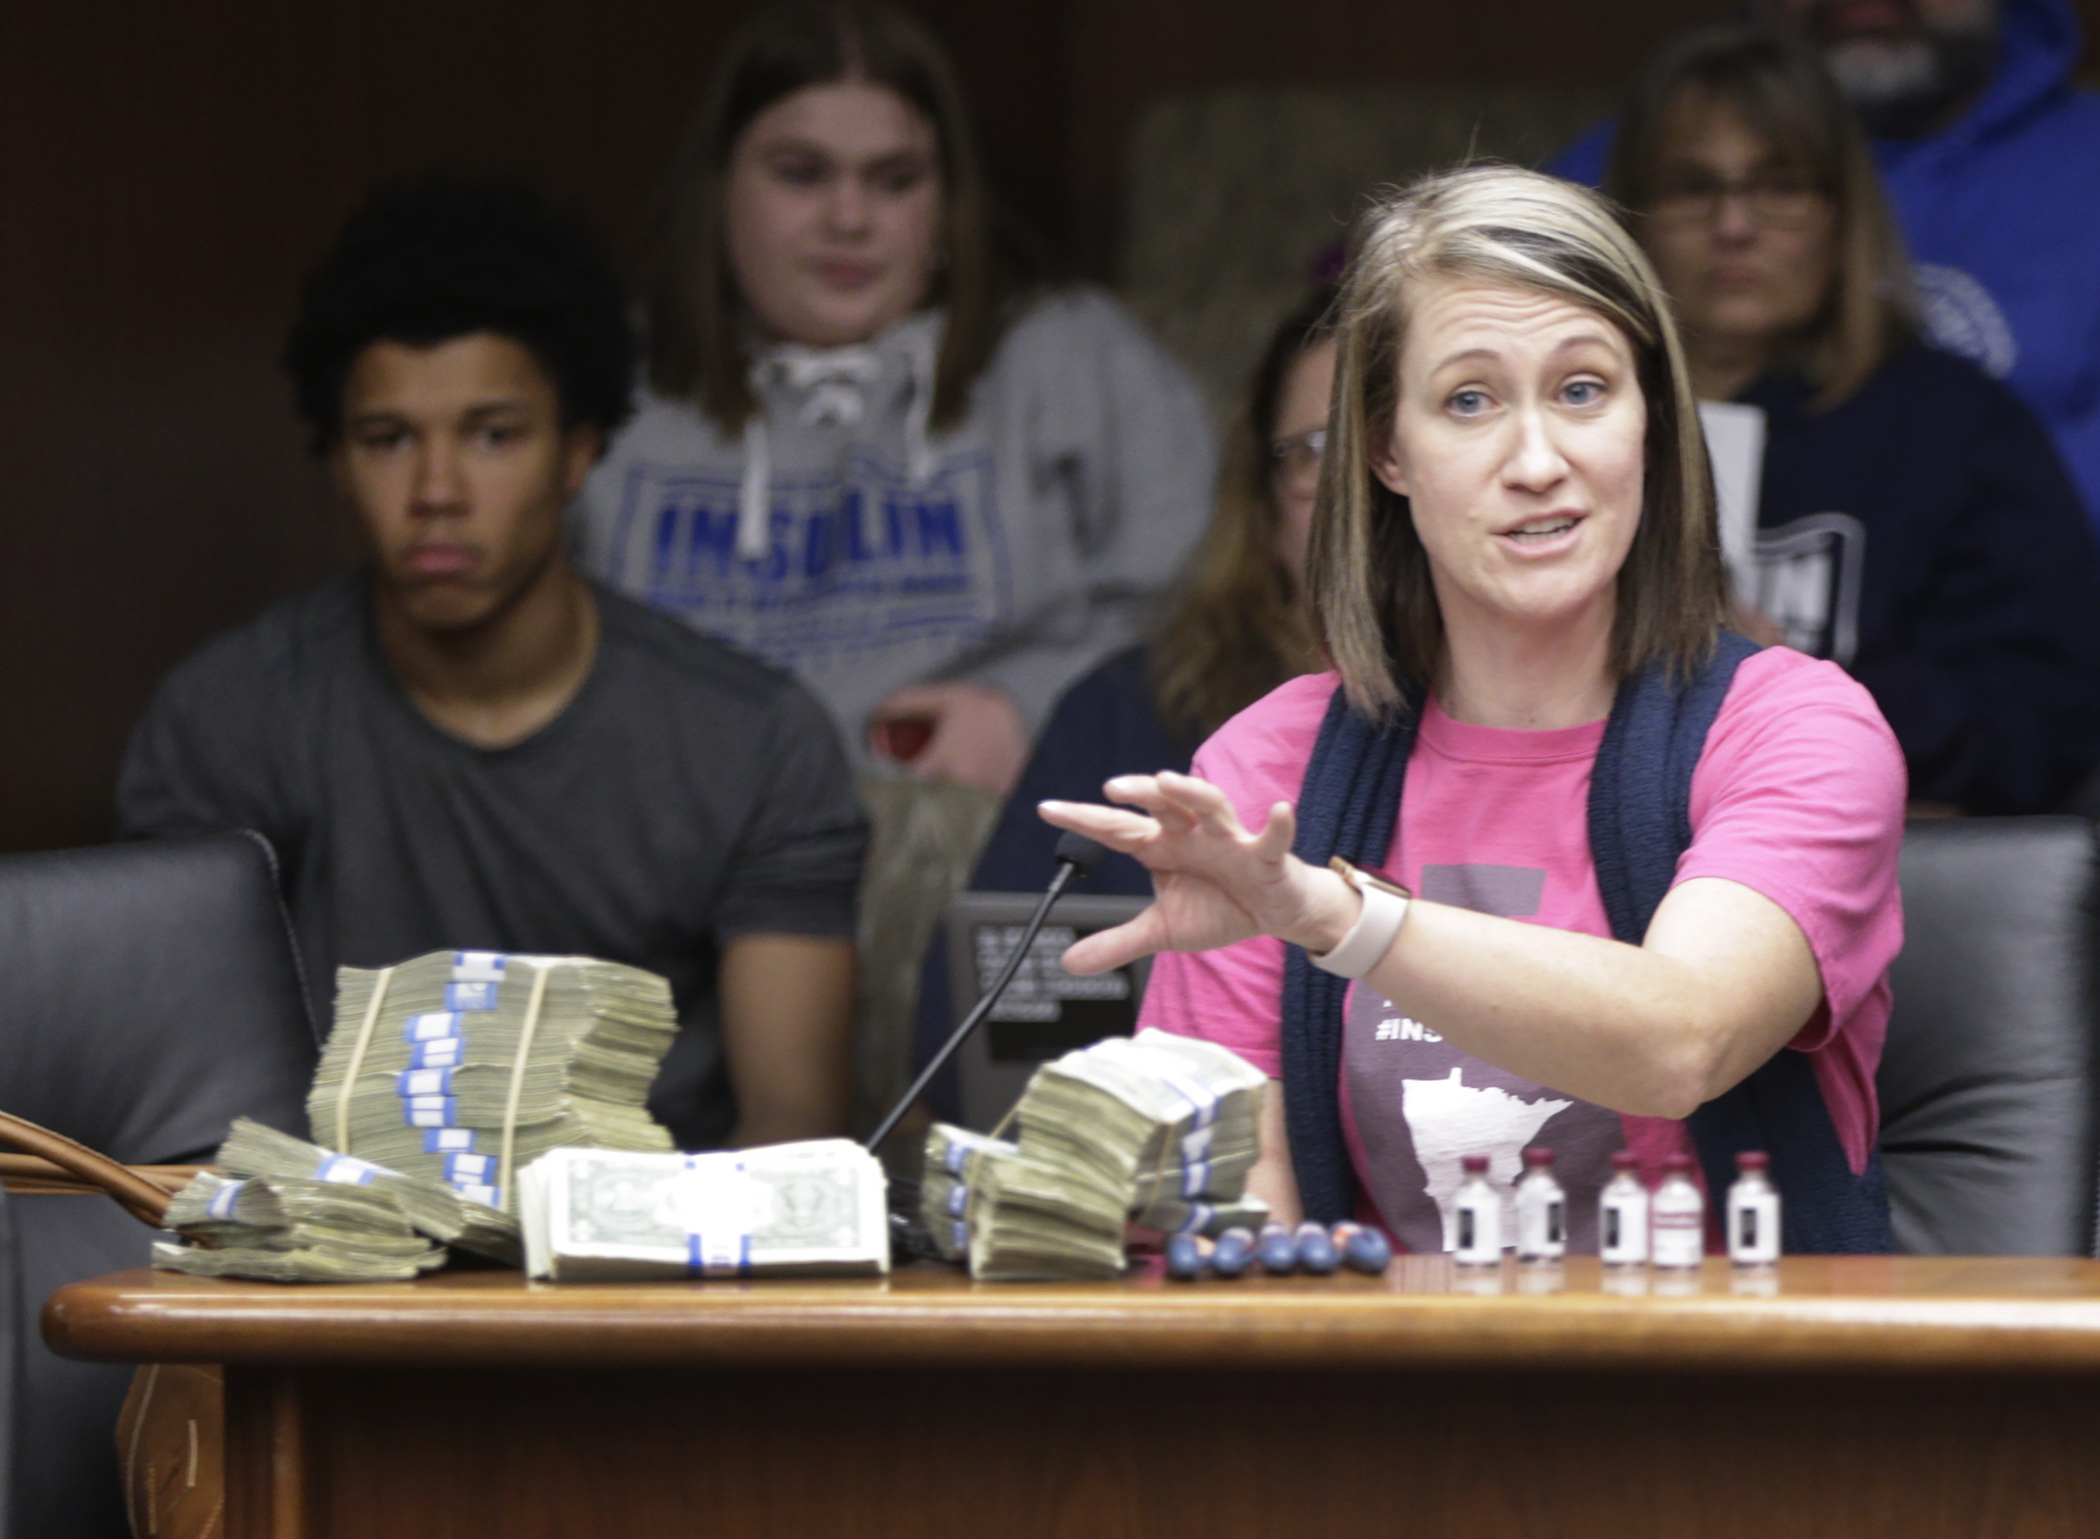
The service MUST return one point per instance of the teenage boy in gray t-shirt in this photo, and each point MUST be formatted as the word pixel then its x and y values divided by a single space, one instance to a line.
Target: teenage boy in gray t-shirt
pixel 464 744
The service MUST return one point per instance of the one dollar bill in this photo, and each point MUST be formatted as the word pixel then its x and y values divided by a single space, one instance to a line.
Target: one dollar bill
pixel 814 1208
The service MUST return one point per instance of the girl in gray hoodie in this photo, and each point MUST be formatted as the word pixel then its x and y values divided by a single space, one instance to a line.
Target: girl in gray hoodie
pixel 862 452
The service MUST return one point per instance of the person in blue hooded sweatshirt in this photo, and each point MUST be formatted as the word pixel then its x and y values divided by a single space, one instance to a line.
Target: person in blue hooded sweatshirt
pixel 1992 161
pixel 1912 522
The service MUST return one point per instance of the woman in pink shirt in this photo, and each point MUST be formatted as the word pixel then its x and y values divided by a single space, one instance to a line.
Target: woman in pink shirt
pixel 1640 890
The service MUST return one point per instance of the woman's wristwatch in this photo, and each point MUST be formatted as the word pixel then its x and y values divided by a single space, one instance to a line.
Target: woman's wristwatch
pixel 1385 905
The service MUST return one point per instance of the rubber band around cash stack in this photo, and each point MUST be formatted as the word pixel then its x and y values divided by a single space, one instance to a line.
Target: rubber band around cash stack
pixel 357 1058
pixel 1194 1146
pixel 1200 1215
pixel 540 970
pixel 717 1219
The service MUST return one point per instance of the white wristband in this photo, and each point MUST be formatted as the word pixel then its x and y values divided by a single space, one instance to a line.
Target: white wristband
pixel 1369 938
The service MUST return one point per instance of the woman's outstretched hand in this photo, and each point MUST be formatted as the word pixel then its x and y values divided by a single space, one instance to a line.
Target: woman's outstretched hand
pixel 1213 882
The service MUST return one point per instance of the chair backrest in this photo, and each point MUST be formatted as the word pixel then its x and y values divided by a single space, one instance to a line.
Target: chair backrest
pixel 926 835
pixel 149 994
pixel 10 1356
pixel 1988 1129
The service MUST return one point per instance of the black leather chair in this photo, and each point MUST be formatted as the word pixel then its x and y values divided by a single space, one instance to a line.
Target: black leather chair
pixel 149 994
pixel 1987 1083
pixel 10 1354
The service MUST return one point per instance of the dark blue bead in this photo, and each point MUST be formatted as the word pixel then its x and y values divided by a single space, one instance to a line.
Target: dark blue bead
pixel 1185 1258
pixel 1316 1253
pixel 1278 1249
pixel 1368 1250
pixel 1235 1252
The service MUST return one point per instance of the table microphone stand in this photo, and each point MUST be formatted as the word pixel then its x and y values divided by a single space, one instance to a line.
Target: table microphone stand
pixel 1075 854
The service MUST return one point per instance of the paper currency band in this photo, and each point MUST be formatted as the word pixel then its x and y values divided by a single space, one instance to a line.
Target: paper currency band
pixel 478 966
pixel 344 1169
pixel 469 1169
pixel 433 1025
pixel 437 1053
pixel 718 1259
pixel 1193 1091
pixel 415 1082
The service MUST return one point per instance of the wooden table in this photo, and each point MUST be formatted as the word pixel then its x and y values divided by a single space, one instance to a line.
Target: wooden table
pixel 1850 1397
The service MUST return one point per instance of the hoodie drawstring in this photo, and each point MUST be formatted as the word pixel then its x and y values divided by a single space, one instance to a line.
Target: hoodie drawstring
pixel 918 417
pixel 754 532
pixel 834 382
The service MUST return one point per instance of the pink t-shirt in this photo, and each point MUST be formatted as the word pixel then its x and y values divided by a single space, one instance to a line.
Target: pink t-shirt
pixel 1798 795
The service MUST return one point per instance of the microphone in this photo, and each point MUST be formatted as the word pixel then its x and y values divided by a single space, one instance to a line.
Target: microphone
pixel 1076 855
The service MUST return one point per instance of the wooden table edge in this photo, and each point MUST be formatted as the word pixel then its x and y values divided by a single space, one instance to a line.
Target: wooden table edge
pixel 126 1318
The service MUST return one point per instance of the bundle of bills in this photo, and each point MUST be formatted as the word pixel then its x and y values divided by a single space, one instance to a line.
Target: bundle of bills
pixel 1037 1220
pixel 1173 1215
pixel 956 1163
pixel 440 1065
pixel 293 1229
pixel 432 1207
pixel 1157 1115
pixel 1157 1127
pixel 816 1208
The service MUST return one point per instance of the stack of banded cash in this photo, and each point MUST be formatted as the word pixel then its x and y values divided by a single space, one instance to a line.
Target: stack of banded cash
pixel 957 1162
pixel 440 1065
pixel 1037 1219
pixel 810 1209
pixel 288 1229
pixel 290 1211
pixel 434 1208
pixel 1158 1115
pixel 1175 1215
pixel 1159 1128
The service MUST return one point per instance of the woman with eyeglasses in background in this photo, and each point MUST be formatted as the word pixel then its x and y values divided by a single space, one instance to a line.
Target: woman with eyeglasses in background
pixel 1914 522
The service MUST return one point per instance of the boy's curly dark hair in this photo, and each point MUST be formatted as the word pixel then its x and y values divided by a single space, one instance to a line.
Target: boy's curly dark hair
pixel 445 256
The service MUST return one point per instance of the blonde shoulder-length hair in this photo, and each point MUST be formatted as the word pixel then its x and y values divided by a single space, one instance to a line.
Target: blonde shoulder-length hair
pixel 1374 603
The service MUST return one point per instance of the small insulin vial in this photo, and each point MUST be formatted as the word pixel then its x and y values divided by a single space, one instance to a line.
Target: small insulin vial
pixel 1753 1212
pixel 1677 1217
pixel 1542 1207
pixel 1476 1217
pixel 1622 1215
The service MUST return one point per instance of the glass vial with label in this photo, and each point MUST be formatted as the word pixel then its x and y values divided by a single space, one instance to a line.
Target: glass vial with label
pixel 1476 1217
pixel 1677 1217
pixel 1753 1212
pixel 1542 1210
pixel 1622 1215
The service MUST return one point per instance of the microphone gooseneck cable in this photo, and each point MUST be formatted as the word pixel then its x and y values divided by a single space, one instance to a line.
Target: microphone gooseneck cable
pixel 1076 854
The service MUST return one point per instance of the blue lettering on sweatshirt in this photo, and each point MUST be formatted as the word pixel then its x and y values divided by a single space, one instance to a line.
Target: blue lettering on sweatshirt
pixel 856 559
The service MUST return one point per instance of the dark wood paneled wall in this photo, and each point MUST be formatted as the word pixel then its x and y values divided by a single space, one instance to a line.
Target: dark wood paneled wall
pixel 166 173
